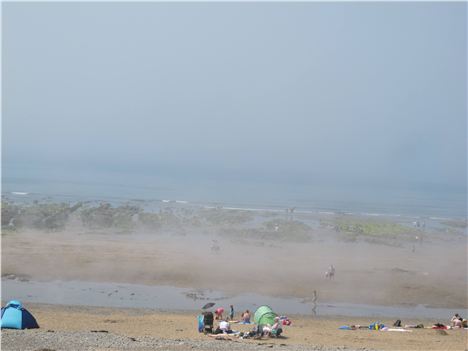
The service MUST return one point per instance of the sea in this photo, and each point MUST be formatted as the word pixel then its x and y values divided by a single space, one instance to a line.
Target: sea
pixel 24 184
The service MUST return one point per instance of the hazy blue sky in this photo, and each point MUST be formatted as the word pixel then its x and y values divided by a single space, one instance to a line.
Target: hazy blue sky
pixel 342 92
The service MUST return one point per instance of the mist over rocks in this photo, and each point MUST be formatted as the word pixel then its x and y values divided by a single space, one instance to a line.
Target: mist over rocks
pixel 379 260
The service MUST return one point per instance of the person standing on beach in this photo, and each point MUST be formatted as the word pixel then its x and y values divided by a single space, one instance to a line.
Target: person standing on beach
pixel 219 313
pixel 330 273
pixel 231 312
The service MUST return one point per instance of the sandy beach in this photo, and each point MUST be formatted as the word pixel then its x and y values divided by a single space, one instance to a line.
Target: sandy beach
pixel 125 329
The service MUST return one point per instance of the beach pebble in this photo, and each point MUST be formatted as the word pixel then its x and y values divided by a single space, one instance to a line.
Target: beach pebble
pixel 35 340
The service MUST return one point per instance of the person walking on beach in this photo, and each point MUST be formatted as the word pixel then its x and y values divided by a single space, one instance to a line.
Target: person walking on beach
pixel 330 273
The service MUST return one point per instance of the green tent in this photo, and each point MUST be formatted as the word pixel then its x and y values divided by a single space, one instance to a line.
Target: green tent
pixel 264 315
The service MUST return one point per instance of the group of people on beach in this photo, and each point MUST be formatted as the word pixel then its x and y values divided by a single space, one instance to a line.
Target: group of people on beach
pixel 458 322
pixel 455 322
pixel 223 329
pixel 245 317
pixel 259 331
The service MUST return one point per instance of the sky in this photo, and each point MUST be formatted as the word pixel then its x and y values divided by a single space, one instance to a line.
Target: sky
pixel 337 93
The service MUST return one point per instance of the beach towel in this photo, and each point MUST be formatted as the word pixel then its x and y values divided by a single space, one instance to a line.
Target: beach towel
pixel 396 330
pixel 201 323
pixel 345 327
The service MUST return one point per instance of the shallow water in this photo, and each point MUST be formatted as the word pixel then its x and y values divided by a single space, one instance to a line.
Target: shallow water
pixel 173 298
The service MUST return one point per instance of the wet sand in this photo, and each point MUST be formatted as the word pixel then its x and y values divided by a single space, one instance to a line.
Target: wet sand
pixel 79 293
pixel 434 275
pixel 180 329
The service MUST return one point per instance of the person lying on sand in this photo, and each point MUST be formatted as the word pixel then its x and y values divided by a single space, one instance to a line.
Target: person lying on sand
pixel 416 326
pixel 224 327
pixel 440 326
pixel 358 326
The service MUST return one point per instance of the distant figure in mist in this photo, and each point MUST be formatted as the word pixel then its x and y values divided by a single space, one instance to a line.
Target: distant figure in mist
pixel 215 247
pixel 290 214
pixel 330 273
pixel 314 301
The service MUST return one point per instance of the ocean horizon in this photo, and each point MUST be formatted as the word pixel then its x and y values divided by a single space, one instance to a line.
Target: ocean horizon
pixel 25 184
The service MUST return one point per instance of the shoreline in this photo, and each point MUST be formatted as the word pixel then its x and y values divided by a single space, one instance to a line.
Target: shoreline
pixel 156 204
pixel 170 298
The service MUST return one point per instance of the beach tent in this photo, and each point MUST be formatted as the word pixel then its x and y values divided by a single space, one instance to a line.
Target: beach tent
pixel 15 316
pixel 264 315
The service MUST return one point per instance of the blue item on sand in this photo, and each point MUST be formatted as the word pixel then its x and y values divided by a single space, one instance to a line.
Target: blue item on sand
pixel 15 316
pixel 201 323
pixel 345 327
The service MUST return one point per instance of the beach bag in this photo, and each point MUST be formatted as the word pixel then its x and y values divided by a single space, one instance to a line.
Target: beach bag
pixel 376 326
pixel 208 321
pixel 208 318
